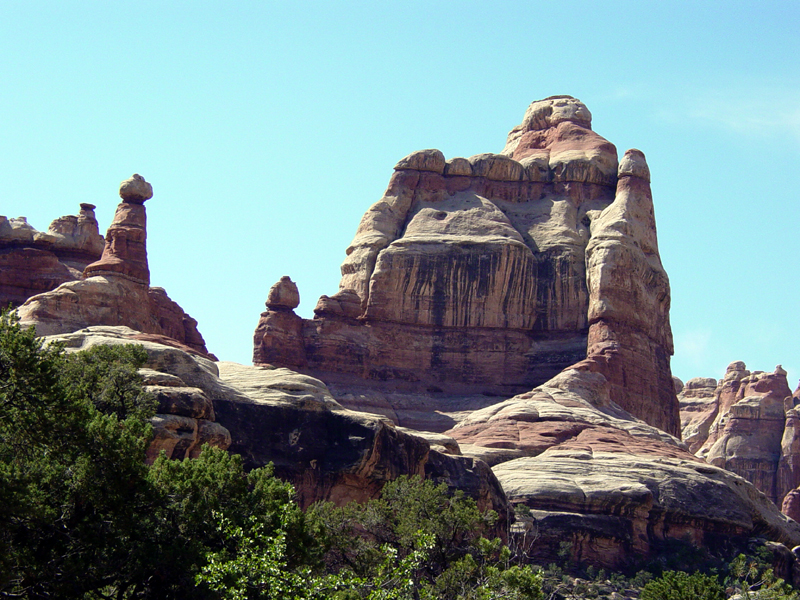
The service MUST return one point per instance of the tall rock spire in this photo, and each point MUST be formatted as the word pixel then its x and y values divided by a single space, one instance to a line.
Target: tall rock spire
pixel 630 338
pixel 125 251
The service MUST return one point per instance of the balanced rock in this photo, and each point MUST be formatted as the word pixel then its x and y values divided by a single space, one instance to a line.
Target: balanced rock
pixel 125 251
pixel 470 276
pixel 113 289
pixel 283 295
pixel 135 190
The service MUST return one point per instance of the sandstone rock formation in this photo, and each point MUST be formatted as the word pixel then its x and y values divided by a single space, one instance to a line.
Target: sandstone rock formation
pixel 489 275
pixel 32 262
pixel 614 488
pixel 746 423
pixel 535 268
pixel 289 419
pixel 186 419
pixel 114 289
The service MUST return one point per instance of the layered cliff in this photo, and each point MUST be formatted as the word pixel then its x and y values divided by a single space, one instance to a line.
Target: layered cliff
pixel 490 274
pixel 32 262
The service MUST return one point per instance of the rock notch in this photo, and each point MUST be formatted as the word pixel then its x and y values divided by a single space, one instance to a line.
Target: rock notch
pixel 490 274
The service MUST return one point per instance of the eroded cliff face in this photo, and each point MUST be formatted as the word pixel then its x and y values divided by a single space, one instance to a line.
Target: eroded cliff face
pixel 490 274
pixel 32 262
pixel 746 423
pixel 114 288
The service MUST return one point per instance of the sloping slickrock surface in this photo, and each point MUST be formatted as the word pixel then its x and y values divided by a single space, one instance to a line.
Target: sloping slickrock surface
pixel 612 486
pixel 490 274
pixel 180 383
pixel 114 289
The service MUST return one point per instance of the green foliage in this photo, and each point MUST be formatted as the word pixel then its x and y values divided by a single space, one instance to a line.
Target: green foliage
pixel 67 469
pixel 753 575
pixel 83 515
pixel 677 585
pixel 419 536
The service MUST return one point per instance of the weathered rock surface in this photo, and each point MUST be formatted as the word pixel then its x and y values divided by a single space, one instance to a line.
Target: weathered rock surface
pixel 490 274
pixel 32 262
pixel 746 423
pixel 186 419
pixel 113 289
pixel 630 338
pixel 289 419
pixel 618 490
pixel 698 403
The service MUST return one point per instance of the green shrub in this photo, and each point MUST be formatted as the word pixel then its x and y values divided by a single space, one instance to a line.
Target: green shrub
pixel 677 585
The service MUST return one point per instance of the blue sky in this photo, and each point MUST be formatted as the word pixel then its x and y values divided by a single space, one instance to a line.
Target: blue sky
pixel 267 129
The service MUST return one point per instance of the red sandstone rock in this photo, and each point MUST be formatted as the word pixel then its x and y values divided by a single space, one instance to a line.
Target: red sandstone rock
pixel 114 290
pixel 470 275
pixel 613 486
pixel 125 251
pixel 698 406
pixel 629 301
pixel 791 505
pixel 32 262
pixel 750 427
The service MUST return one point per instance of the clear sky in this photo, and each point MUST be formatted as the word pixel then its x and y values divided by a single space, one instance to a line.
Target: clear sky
pixel 268 128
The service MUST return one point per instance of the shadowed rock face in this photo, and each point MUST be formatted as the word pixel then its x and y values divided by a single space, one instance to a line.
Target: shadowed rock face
pixel 32 262
pixel 288 419
pixel 490 274
pixel 114 289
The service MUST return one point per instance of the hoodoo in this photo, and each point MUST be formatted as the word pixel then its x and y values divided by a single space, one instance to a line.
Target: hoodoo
pixel 115 290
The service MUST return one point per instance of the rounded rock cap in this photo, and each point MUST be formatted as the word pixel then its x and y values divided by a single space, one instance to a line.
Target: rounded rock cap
pixel 633 164
pixel 135 190
pixel 551 111
pixel 283 295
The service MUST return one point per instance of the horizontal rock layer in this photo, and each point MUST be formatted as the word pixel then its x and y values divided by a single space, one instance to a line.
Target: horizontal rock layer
pixel 32 262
